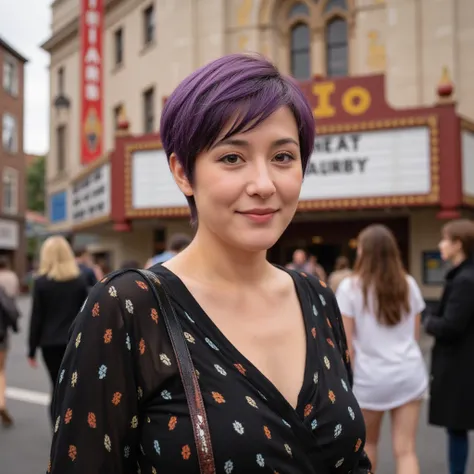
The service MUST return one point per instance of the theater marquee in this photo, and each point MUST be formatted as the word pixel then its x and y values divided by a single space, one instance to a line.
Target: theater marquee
pixel 367 155
pixel 367 164
pixel 90 196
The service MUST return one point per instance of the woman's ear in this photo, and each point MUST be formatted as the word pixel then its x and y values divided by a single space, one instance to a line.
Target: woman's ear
pixel 179 176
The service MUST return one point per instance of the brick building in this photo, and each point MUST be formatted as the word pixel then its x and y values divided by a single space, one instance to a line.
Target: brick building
pixel 371 68
pixel 12 158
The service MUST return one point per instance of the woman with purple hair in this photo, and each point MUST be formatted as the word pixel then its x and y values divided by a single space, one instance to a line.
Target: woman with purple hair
pixel 267 343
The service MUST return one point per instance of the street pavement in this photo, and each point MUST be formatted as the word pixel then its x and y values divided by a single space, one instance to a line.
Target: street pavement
pixel 24 449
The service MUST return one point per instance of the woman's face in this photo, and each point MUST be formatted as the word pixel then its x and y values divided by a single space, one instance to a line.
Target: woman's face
pixel 246 187
pixel 449 249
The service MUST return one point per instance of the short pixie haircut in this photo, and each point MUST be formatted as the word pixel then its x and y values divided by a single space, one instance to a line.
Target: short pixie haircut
pixel 245 86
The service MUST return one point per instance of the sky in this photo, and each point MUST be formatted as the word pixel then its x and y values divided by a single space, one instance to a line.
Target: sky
pixel 25 25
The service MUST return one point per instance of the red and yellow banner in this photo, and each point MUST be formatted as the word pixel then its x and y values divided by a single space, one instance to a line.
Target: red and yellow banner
pixel 92 27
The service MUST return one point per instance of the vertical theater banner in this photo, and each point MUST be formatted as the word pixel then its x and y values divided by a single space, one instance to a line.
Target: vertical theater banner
pixel 91 133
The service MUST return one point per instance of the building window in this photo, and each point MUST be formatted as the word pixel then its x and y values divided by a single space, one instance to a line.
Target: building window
pixel 149 110
pixel 10 75
pixel 300 52
pixel 336 48
pixel 9 133
pixel 329 23
pixel 118 41
pixel 61 81
pixel 61 147
pixel 10 191
pixel 149 24
pixel 116 118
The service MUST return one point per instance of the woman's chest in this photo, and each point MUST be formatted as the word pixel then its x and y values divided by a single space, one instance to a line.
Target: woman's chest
pixel 269 338
pixel 251 424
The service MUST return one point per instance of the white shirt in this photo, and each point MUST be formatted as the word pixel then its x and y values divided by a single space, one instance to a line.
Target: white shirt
pixel 389 370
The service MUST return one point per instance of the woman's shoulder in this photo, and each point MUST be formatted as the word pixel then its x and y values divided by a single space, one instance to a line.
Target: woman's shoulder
pixel 411 281
pixel 312 284
pixel 350 281
pixel 125 292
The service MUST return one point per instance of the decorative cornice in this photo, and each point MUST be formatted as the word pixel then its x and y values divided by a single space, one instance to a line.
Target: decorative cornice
pixel 12 51
pixel 71 29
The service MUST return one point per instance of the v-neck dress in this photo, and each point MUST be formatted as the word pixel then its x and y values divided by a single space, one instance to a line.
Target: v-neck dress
pixel 120 405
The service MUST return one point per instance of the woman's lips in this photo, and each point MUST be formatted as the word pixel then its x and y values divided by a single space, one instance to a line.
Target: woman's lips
pixel 259 217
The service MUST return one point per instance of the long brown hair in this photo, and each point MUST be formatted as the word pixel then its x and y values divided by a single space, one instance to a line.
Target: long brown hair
pixel 380 269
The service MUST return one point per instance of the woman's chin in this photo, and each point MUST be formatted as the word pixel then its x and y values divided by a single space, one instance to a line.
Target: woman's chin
pixel 257 243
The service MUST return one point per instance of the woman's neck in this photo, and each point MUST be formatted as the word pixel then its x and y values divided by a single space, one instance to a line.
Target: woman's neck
pixel 209 260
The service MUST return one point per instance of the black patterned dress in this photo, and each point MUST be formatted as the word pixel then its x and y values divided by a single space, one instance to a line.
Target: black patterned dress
pixel 120 404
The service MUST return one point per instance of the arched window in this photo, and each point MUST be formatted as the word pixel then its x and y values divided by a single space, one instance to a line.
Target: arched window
pixel 298 9
pixel 300 51
pixel 335 4
pixel 336 48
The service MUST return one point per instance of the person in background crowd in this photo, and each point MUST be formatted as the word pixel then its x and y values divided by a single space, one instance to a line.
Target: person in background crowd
pixel 10 284
pixel 381 308
pixel 452 359
pixel 315 268
pixel 341 270
pixel 277 391
pixel 101 267
pixel 177 243
pixel 58 294
pixel 299 262
pixel 85 264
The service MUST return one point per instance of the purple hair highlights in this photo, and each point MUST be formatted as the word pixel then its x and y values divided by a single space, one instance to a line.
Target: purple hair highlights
pixel 248 87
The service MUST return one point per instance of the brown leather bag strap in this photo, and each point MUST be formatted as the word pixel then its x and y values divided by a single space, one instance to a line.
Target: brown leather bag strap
pixel 196 406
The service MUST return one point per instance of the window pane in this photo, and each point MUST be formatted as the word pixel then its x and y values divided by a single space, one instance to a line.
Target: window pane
pixel 10 187
pixel 300 37
pixel 335 4
pixel 61 148
pixel 7 73
pixel 336 32
pixel 149 111
pixel 337 61
pixel 300 65
pixel 149 24
pixel 119 46
pixel 10 75
pixel 337 48
pixel 9 133
pixel 300 52
pixel 299 9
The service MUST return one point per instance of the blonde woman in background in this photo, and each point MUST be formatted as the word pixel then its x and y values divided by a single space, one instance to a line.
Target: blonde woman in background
pixel 58 294
pixel 381 306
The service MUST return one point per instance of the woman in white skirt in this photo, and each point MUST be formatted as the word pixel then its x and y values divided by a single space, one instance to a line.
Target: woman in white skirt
pixel 381 307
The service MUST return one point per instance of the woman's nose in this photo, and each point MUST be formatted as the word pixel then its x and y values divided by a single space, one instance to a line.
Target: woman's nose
pixel 262 183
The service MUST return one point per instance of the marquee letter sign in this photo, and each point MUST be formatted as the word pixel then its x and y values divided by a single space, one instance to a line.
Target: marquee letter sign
pixel 91 133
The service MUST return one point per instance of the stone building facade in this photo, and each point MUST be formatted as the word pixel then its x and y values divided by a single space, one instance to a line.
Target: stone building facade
pixel 149 46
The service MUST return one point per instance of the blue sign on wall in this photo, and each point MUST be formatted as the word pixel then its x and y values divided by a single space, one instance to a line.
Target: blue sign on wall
pixel 58 207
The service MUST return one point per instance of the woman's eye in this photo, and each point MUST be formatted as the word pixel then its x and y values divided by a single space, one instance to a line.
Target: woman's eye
pixel 283 158
pixel 231 159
